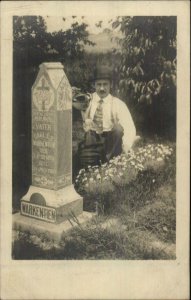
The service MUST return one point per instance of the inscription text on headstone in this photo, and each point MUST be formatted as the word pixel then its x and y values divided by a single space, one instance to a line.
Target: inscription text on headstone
pixel 39 212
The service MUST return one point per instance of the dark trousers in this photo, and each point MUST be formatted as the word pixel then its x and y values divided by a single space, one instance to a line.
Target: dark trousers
pixel 112 142
pixel 99 148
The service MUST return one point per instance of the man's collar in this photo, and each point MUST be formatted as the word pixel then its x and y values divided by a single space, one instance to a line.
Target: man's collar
pixel 97 98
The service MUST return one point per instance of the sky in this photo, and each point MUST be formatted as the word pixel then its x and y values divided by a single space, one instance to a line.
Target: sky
pixel 57 23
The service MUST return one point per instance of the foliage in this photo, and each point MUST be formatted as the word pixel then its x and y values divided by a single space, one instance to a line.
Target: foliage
pixel 33 44
pixel 147 72
pixel 30 43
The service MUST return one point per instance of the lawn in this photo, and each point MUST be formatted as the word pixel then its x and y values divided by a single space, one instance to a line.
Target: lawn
pixel 134 199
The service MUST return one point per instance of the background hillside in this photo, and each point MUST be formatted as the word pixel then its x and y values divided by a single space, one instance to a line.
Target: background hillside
pixel 104 41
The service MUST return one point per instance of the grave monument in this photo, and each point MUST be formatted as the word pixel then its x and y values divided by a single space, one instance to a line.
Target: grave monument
pixel 51 197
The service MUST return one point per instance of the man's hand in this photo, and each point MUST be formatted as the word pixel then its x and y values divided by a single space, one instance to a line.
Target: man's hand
pixel 127 149
pixel 88 125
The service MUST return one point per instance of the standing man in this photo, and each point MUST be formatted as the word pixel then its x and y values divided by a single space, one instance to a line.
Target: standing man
pixel 107 122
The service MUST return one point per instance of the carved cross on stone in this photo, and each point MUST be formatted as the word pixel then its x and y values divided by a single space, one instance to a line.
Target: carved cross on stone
pixel 44 94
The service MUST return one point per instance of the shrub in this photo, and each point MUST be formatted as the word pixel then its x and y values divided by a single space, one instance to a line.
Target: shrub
pixel 147 72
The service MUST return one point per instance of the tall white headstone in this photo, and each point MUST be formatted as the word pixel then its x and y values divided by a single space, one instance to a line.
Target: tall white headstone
pixel 51 197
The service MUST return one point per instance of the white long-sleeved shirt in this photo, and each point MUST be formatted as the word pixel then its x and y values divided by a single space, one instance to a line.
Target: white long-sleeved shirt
pixel 114 111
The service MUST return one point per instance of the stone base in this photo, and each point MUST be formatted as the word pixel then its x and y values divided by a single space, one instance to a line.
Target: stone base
pixel 50 205
pixel 51 231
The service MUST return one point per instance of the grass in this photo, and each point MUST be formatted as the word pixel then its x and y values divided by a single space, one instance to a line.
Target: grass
pixel 95 242
pixel 136 220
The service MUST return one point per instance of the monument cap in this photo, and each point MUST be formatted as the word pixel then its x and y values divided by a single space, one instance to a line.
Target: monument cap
pixel 51 65
pixel 103 72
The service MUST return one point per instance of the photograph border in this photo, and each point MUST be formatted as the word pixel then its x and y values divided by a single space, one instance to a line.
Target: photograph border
pixel 97 279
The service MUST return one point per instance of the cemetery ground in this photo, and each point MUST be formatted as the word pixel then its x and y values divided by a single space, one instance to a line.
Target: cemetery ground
pixel 135 209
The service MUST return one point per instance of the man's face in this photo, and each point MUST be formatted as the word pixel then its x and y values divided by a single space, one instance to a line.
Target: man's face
pixel 102 87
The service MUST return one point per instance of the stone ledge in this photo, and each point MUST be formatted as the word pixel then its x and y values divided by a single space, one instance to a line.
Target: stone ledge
pixel 51 231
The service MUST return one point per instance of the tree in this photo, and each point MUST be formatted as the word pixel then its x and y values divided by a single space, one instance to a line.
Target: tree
pixel 33 44
pixel 30 43
pixel 147 72
pixel 69 44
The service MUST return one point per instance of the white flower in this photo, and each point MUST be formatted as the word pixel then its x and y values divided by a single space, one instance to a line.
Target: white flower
pixel 140 166
pixel 104 165
pixel 81 171
pixel 124 158
pixel 98 176
pixel 167 152
pixel 94 167
pixel 159 159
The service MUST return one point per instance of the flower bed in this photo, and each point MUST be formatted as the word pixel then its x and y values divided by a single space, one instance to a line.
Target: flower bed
pixel 122 169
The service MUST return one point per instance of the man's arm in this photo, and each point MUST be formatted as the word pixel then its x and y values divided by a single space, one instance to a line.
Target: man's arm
pixel 87 122
pixel 126 121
